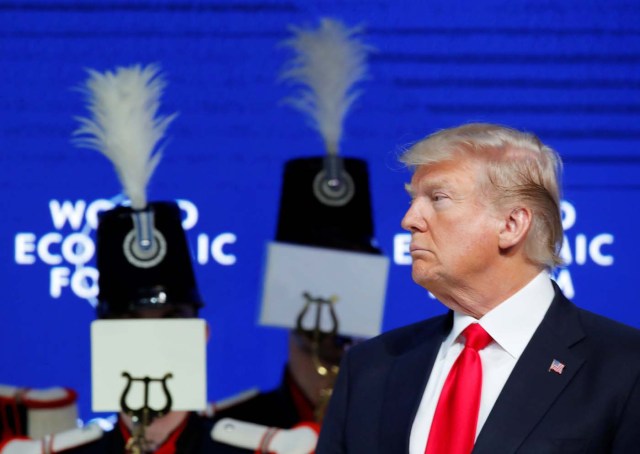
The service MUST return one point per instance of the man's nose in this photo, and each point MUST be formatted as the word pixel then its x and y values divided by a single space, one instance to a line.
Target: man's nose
pixel 412 221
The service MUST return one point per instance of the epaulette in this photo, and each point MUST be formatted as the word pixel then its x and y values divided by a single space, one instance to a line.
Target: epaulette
pixel 215 407
pixel 45 411
pixel 301 439
pixel 53 443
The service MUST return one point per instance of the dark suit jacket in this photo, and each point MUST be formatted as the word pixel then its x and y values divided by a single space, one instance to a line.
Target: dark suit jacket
pixel 592 407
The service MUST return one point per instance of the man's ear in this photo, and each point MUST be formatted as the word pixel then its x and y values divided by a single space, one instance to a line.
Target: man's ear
pixel 515 227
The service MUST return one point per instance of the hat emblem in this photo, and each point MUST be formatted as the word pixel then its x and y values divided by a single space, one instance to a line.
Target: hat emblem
pixel 142 257
pixel 335 192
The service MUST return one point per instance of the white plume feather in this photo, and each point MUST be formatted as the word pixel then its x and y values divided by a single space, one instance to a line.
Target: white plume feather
pixel 329 61
pixel 124 126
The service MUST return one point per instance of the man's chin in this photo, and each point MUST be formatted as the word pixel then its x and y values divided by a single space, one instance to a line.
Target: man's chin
pixel 424 280
pixel 431 279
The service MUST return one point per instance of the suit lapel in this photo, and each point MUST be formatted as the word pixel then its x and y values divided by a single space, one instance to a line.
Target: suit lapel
pixel 406 383
pixel 531 388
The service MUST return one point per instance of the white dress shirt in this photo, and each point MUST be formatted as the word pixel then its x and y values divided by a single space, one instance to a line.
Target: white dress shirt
pixel 511 324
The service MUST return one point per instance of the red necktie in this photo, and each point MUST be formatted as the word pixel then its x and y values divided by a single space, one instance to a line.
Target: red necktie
pixel 453 430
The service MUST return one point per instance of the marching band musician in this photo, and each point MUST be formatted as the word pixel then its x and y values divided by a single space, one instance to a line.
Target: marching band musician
pixel 143 259
pixel 142 253
pixel 312 228
pixel 325 226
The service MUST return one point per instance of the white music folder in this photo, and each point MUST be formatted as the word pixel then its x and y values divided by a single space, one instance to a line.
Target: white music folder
pixel 358 280
pixel 149 348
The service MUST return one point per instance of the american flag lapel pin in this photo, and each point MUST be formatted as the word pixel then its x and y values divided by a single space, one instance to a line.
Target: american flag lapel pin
pixel 556 366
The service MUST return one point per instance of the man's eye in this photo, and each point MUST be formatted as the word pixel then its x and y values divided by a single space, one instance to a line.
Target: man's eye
pixel 438 197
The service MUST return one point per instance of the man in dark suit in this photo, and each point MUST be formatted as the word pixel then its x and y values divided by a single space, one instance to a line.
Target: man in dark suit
pixel 513 367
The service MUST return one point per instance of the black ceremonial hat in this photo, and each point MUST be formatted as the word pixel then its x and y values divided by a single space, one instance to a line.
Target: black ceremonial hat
pixel 132 277
pixel 314 213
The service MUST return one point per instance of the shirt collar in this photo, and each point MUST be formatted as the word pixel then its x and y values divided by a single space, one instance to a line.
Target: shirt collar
pixel 512 323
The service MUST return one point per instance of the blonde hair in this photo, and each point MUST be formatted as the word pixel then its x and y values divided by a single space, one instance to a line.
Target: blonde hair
pixel 521 170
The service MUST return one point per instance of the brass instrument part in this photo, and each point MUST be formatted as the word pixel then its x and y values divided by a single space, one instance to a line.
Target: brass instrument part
pixel 143 416
pixel 317 337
